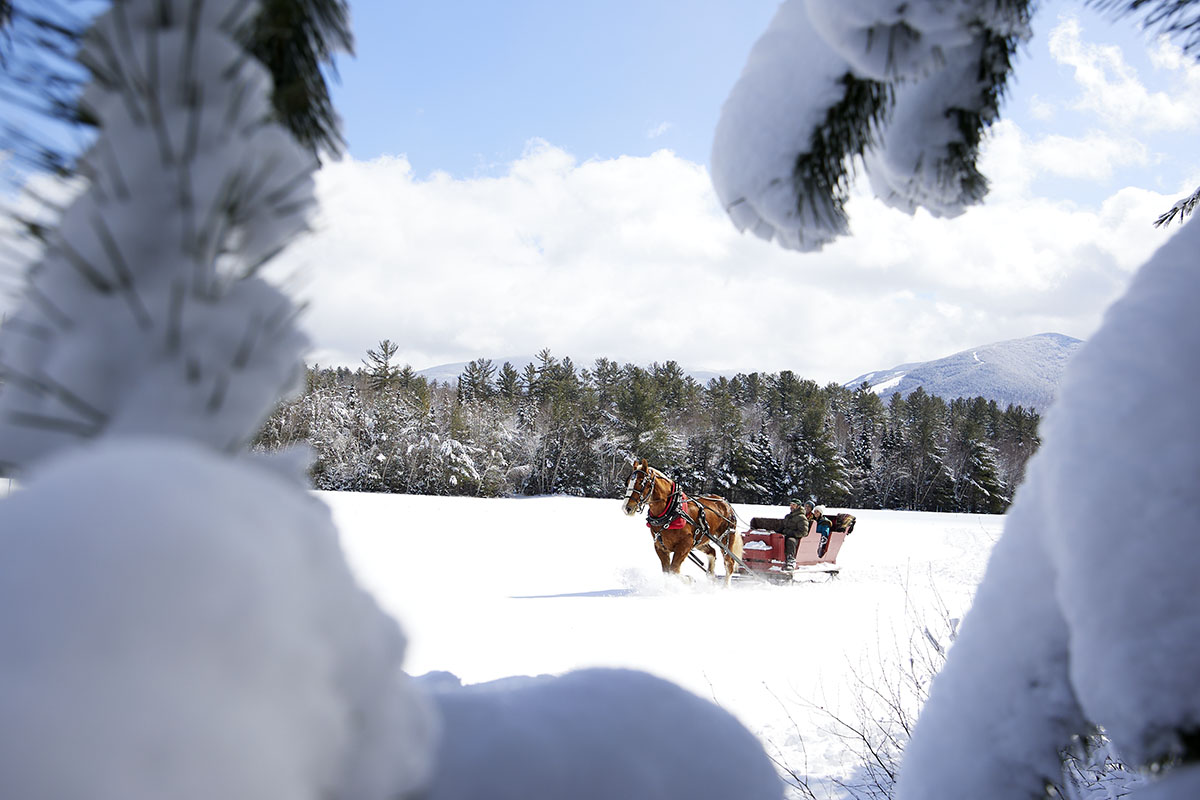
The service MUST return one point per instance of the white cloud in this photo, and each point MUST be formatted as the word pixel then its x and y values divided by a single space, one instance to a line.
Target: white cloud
pixel 1093 156
pixel 658 130
pixel 1112 90
pixel 631 258
pixel 1040 108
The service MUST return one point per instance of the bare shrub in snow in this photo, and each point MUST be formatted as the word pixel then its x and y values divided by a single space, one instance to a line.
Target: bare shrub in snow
pixel 892 687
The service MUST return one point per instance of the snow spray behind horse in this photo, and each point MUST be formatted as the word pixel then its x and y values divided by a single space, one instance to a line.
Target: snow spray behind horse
pixel 681 524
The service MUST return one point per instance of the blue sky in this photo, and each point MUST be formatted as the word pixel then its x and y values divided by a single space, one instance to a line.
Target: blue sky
pixel 461 86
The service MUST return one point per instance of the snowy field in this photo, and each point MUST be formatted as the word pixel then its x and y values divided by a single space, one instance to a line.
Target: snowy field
pixel 490 588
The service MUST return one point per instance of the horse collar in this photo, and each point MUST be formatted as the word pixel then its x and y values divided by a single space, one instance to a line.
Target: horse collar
pixel 671 502
pixel 673 515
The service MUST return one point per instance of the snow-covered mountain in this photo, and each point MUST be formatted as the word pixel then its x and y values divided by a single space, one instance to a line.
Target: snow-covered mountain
pixel 1022 372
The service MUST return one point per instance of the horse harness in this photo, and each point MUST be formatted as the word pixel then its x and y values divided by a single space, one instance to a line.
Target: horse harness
pixel 675 511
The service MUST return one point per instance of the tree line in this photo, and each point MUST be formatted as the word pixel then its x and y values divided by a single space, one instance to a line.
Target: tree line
pixel 552 427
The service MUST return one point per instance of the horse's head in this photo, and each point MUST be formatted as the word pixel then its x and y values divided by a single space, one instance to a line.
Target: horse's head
pixel 639 487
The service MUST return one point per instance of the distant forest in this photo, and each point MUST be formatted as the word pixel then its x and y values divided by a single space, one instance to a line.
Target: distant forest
pixel 551 427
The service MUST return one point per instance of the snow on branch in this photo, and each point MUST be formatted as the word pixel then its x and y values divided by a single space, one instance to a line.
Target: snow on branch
pixel 144 314
pixel 1085 614
pixel 1181 209
pixel 928 151
pixel 908 88
pixel 183 624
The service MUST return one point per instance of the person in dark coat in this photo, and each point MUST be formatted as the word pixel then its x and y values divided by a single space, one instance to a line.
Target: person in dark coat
pixel 794 528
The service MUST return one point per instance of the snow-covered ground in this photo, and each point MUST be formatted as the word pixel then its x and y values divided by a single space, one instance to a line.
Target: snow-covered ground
pixel 489 588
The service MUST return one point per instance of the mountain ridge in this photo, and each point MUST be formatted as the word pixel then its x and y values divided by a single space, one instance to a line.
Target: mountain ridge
pixel 1023 372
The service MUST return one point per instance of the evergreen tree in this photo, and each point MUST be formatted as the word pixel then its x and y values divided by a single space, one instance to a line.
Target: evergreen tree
pixel 456 455
pixel 606 375
pixel 381 373
pixel 892 97
pixel 530 384
pixel 978 487
pixel 561 459
pixel 475 383
pixel 675 389
pixel 546 365
pixel 927 434
pixel 747 388
pixel 1017 441
pixel 424 456
pixel 416 387
pixel 508 383
pixel 865 416
pixel 748 473
pixel 640 412
pixel 843 446
pixel 890 479
pixel 788 396
pixel 812 464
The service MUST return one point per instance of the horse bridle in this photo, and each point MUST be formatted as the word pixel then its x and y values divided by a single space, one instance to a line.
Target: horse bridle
pixel 676 505
pixel 644 492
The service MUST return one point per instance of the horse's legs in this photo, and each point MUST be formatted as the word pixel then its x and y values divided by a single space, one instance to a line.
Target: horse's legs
pixel 730 540
pixel 663 556
pixel 677 558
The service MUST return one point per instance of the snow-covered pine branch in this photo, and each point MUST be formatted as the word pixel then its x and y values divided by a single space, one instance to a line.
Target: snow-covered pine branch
pixel 908 87
pixel 145 314
pixel 178 622
pixel 1091 602
pixel 293 39
pixel 1179 19
pixel 1181 209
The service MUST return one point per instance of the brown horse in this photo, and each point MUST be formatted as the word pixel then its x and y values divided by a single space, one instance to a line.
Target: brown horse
pixel 679 523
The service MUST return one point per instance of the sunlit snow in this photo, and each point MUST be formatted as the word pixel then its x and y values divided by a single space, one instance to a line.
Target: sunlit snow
pixel 492 588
